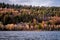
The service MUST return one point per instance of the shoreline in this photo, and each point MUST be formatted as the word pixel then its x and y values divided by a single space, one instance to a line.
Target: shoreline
pixel 31 30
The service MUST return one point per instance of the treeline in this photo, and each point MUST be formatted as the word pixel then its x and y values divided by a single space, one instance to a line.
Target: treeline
pixel 26 14
pixel 39 13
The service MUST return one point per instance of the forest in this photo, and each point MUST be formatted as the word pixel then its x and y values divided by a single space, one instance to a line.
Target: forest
pixel 29 18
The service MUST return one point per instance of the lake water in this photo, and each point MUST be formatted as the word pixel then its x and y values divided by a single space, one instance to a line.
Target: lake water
pixel 29 35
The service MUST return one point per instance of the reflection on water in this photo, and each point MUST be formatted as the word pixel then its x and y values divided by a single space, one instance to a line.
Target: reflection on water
pixel 29 35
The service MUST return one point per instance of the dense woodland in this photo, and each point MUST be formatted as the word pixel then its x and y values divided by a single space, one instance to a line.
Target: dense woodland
pixel 23 17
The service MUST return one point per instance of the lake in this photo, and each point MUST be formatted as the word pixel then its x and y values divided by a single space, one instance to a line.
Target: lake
pixel 29 35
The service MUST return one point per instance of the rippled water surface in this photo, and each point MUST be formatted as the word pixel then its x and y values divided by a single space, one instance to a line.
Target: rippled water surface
pixel 29 35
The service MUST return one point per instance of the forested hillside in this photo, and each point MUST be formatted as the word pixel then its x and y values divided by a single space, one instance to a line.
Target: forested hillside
pixel 23 17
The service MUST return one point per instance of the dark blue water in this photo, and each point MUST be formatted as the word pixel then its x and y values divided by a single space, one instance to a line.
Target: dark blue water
pixel 29 35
